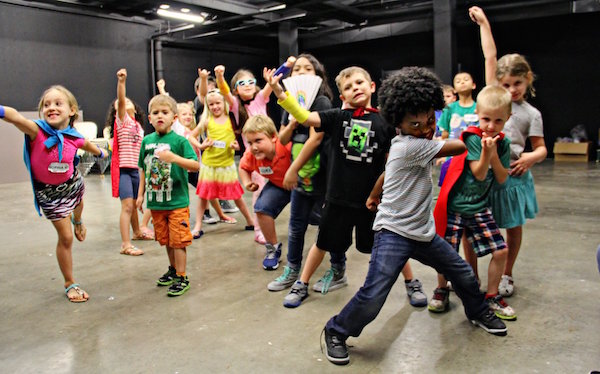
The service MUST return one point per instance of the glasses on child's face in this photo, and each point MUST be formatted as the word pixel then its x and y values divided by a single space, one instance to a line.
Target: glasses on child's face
pixel 245 82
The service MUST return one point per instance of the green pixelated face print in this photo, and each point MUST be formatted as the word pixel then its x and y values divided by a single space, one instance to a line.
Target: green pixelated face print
pixel 360 144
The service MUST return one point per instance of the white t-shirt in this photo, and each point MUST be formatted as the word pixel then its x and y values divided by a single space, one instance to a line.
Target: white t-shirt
pixel 405 207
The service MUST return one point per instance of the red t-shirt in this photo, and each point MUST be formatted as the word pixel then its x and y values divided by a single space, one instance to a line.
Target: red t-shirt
pixel 274 170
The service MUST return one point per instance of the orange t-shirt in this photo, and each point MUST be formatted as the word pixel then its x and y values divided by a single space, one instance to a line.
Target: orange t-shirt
pixel 274 170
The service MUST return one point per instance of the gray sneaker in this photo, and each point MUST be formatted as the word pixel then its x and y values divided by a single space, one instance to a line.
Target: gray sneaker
pixel 285 280
pixel 416 296
pixel 226 207
pixel 332 280
pixel 297 294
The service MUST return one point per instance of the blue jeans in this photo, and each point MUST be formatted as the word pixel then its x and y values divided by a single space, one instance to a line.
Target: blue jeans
pixel 271 200
pixel 390 253
pixel 300 210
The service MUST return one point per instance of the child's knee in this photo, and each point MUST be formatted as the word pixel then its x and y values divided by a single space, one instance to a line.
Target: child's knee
pixel 500 254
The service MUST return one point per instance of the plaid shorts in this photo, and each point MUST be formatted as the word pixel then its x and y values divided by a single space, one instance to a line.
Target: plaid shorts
pixel 481 231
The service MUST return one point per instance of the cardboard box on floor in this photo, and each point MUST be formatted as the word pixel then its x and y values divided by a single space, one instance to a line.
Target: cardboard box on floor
pixel 572 152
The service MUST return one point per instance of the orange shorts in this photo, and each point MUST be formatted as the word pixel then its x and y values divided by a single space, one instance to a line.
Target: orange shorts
pixel 172 227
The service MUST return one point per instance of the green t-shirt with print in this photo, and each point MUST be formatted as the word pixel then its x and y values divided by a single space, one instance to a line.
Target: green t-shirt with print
pixel 469 195
pixel 456 118
pixel 166 183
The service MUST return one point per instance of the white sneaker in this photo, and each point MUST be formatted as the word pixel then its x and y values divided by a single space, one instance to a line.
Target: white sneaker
pixel 506 287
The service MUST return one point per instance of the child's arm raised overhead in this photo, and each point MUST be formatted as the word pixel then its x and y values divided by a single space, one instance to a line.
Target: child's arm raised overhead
pixel 121 97
pixel 27 126
pixel 223 86
pixel 290 104
pixel 284 68
pixel 203 75
pixel 488 46
pixel 451 147
pixel 161 87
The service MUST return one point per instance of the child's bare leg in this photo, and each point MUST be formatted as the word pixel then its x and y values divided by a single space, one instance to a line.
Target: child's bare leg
pixel 470 255
pixel 313 260
pixel 495 270
pixel 202 204
pixel 127 208
pixel 64 256
pixel 267 226
pixel 244 210
pixel 217 207
pixel 135 223
pixel 171 255
pixel 146 219
pixel 80 229
pixel 407 272
pixel 180 256
pixel 514 237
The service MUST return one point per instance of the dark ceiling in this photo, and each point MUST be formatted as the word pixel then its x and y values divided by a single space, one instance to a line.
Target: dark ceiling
pixel 317 22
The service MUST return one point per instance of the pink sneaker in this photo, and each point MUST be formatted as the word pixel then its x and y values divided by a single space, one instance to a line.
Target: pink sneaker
pixel 259 238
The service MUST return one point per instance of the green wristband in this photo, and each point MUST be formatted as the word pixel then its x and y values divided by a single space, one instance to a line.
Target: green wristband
pixel 290 104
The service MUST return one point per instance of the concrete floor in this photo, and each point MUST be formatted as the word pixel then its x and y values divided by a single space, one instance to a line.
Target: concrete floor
pixel 229 322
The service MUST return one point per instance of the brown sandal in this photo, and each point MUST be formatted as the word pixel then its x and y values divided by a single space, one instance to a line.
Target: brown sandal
pixel 131 251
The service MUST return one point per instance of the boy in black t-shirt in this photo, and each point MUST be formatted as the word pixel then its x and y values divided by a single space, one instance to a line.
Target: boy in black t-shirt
pixel 359 143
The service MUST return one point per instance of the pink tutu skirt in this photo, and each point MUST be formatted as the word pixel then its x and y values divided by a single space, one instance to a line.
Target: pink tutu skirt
pixel 219 183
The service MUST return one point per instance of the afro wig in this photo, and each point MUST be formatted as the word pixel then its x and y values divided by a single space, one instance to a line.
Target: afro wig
pixel 411 90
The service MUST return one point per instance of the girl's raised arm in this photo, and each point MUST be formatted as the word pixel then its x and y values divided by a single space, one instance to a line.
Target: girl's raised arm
pixel 223 86
pixel 488 46
pixel 27 126
pixel 203 75
pixel 121 97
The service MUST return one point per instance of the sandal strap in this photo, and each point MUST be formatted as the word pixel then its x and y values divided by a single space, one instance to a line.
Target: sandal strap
pixel 72 286
pixel 75 222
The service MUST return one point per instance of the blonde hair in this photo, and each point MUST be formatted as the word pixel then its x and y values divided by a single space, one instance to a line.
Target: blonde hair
pixel 70 99
pixel 207 114
pixel 190 106
pixel 494 97
pixel 447 87
pixel 163 100
pixel 347 72
pixel 260 124
pixel 517 66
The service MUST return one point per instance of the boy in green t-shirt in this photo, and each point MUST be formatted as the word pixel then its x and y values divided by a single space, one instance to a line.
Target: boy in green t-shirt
pixel 164 160
pixel 460 114
pixel 463 201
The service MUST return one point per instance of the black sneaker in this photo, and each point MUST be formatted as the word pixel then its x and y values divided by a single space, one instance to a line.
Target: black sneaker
pixel 490 323
pixel 167 278
pixel 179 287
pixel 337 351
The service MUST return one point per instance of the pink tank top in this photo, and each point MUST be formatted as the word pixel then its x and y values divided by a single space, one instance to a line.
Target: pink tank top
pixel 43 159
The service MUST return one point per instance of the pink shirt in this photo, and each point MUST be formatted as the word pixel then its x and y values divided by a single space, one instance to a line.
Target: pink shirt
pixel 42 157
pixel 257 106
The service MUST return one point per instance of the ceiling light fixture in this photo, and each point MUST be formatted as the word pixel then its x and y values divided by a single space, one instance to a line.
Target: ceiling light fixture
pixel 185 10
pixel 181 16
pixel 273 8
pixel 164 6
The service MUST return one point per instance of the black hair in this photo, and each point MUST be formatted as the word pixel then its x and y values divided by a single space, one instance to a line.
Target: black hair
pixel 111 114
pixel 411 90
